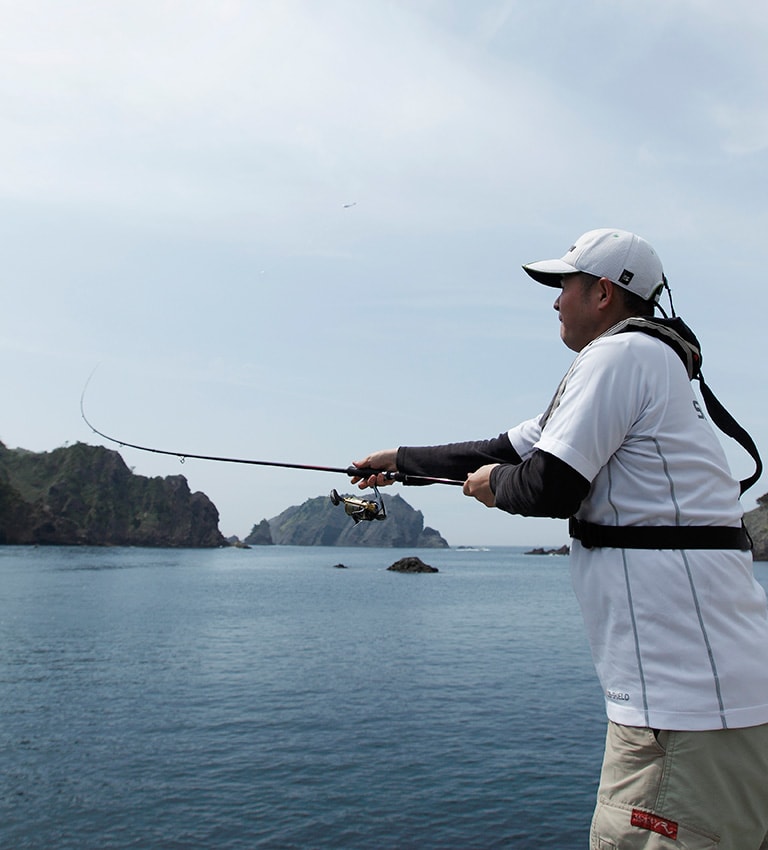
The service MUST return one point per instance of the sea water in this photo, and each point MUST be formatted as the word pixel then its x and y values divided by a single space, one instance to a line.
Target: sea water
pixel 269 698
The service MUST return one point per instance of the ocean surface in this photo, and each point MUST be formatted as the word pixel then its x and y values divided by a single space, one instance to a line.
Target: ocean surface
pixel 265 698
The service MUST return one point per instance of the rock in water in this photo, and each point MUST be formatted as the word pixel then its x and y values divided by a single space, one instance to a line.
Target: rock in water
pixel 412 565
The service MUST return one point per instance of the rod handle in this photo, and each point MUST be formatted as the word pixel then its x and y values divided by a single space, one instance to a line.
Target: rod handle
pixel 366 472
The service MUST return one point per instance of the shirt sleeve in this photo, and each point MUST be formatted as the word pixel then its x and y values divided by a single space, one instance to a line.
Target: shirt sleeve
pixel 604 395
pixel 524 437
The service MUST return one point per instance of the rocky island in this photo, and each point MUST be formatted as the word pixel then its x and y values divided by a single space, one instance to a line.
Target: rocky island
pixel 318 522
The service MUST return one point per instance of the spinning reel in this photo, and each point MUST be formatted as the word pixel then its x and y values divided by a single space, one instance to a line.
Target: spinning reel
pixel 361 510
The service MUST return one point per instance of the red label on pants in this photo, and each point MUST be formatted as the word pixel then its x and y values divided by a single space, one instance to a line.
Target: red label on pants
pixel 645 820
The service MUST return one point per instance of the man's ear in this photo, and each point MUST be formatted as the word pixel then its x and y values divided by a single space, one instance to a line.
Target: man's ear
pixel 606 292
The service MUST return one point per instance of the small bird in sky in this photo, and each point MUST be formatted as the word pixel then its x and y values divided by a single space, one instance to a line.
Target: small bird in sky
pixel 353 204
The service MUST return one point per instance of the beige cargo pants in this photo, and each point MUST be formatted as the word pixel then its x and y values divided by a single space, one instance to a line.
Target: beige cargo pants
pixel 683 790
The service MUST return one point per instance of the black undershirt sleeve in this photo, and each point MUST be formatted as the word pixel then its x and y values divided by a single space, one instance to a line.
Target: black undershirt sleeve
pixel 543 485
pixel 455 460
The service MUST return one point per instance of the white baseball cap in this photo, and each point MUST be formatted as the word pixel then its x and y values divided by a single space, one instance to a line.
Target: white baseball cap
pixel 622 257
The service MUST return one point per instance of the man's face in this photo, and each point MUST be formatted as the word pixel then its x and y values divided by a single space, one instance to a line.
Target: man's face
pixel 580 320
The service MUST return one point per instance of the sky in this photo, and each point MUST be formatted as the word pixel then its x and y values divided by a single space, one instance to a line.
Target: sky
pixel 293 230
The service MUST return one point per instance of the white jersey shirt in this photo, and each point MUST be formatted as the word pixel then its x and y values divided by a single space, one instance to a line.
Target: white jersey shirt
pixel 679 638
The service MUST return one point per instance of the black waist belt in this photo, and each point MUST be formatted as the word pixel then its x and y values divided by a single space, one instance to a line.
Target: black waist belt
pixel 659 536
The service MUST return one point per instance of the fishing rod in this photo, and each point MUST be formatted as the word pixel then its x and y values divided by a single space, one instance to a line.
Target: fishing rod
pixel 358 509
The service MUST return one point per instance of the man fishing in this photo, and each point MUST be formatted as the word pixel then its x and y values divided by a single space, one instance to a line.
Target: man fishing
pixel 660 561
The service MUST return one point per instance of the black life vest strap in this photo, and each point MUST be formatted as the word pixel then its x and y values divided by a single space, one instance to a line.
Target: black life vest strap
pixel 675 333
pixel 594 536
pixel 728 425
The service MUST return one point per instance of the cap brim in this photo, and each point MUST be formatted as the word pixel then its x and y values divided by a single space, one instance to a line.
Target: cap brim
pixel 549 272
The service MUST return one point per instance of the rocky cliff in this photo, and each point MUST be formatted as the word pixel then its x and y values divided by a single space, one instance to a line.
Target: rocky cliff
pixel 87 495
pixel 757 526
pixel 317 522
pixel 261 535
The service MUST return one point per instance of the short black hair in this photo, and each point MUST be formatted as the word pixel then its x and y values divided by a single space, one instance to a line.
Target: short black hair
pixel 636 305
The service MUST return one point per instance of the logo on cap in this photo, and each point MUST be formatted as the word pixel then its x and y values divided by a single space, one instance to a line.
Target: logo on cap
pixel 626 277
